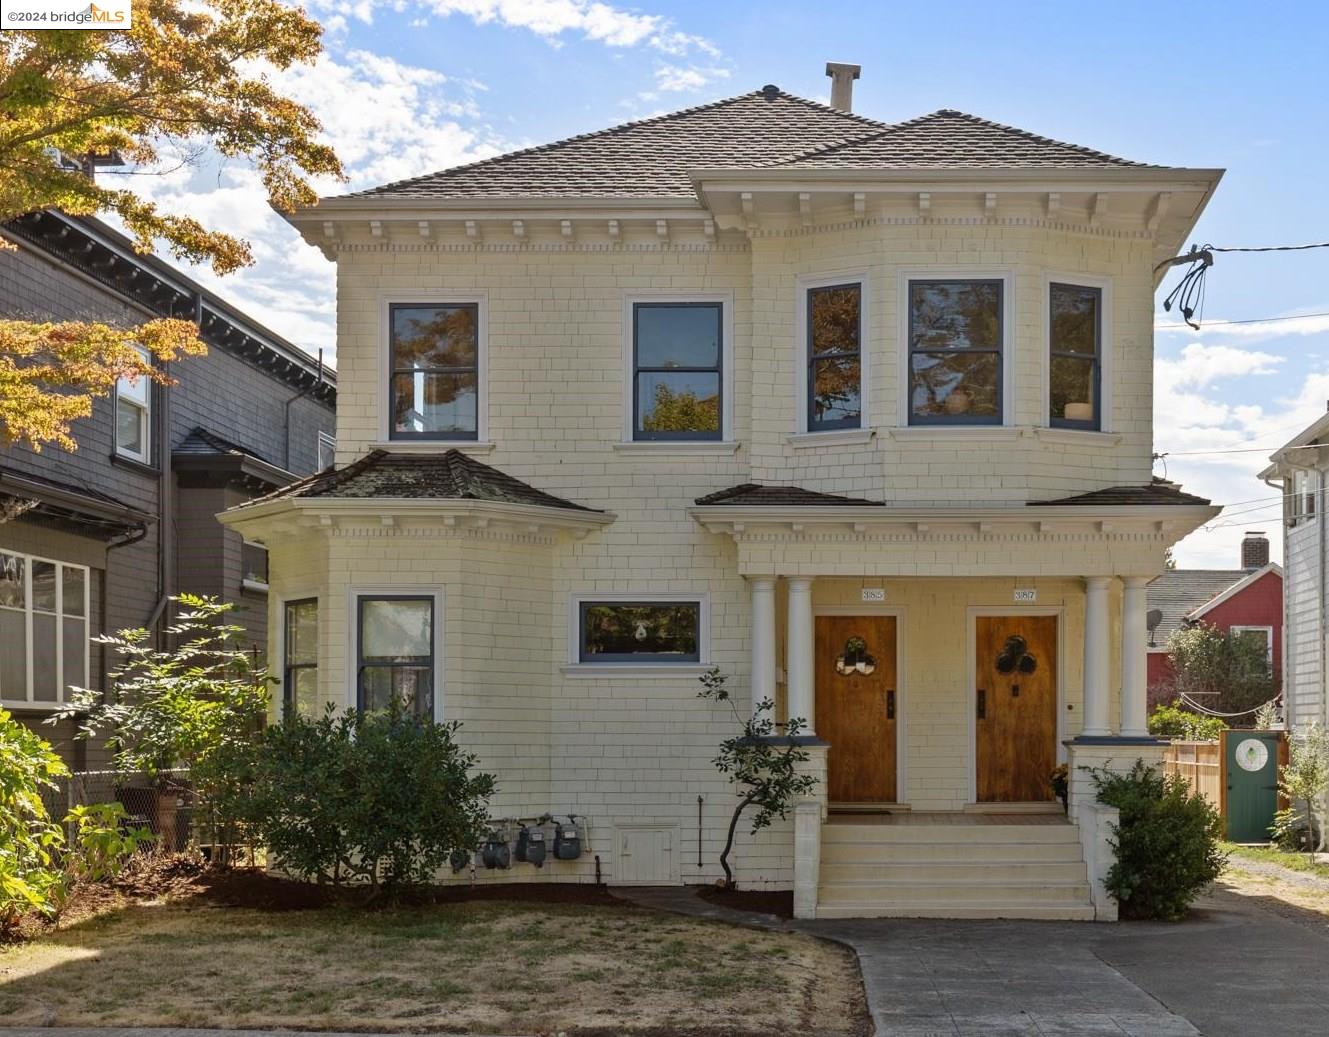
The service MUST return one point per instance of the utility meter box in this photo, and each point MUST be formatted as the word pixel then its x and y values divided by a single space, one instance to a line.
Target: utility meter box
pixel 567 841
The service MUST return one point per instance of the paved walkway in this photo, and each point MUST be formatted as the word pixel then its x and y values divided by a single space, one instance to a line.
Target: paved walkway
pixel 1235 969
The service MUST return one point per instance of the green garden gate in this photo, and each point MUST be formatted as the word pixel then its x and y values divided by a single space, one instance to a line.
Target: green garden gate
pixel 1251 760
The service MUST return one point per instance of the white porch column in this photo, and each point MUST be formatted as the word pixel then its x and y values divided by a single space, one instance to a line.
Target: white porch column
pixel 1134 658
pixel 798 653
pixel 1096 633
pixel 763 640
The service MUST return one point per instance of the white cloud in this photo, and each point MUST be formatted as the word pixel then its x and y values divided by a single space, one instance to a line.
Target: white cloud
pixel 680 78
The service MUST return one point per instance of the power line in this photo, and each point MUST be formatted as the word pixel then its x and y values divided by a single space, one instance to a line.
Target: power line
pixel 1268 248
pixel 1188 295
pixel 1254 320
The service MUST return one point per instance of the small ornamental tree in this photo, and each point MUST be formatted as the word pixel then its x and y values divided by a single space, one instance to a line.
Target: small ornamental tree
pixel 763 767
pixel 1222 671
pixel 1305 781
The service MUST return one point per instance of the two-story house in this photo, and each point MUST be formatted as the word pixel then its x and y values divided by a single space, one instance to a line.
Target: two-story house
pixel 98 539
pixel 1300 472
pixel 857 412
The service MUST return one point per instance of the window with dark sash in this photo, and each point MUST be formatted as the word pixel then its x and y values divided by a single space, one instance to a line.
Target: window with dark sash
pixel 955 345
pixel 300 671
pixel 640 631
pixel 435 381
pixel 677 376
pixel 396 652
pixel 1075 347
pixel 835 390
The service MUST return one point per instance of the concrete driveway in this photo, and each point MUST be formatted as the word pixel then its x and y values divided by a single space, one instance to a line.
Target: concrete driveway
pixel 1240 967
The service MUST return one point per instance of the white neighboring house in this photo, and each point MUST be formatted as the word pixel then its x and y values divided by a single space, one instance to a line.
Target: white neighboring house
pixel 1299 469
pixel 774 387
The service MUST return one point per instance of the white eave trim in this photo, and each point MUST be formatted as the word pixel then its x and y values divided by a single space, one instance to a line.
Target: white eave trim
pixel 1142 178
pixel 1236 588
pixel 389 509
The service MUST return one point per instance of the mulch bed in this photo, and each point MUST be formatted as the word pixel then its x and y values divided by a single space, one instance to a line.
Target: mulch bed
pixel 767 902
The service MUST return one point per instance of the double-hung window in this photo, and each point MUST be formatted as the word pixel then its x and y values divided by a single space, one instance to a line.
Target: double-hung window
pixel 435 374
pixel 677 376
pixel 642 631
pixel 834 357
pixel 955 352
pixel 133 417
pixel 395 645
pixel 1300 499
pixel 327 451
pixel 1075 356
pixel 300 665
pixel 44 633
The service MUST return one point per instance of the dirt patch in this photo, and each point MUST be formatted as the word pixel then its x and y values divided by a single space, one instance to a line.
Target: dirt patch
pixel 767 902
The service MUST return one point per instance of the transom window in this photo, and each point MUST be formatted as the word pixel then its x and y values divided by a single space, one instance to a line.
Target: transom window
pixel 1075 351
pixel 835 391
pixel 133 417
pixel 396 652
pixel 677 376
pixel 44 633
pixel 435 381
pixel 640 631
pixel 300 666
pixel 955 344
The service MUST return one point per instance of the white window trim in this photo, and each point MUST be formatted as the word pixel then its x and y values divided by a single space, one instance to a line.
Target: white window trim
pixel 257 586
pixel 62 681
pixel 1268 632
pixel 664 446
pixel 1008 321
pixel 1106 349
pixel 480 300
pixel 144 409
pixel 353 596
pixel 576 668
pixel 325 440
pixel 277 621
pixel 802 348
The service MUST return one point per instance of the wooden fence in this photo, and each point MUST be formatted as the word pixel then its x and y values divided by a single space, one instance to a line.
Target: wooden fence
pixel 1201 764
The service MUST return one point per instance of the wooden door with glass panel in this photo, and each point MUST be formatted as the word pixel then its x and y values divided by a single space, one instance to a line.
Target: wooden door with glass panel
pixel 1015 708
pixel 856 706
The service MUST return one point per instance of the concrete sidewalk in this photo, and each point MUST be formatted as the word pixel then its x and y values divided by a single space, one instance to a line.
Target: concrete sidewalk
pixel 1237 968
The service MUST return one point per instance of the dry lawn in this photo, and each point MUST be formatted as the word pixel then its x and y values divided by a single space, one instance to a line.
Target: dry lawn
pixel 479 967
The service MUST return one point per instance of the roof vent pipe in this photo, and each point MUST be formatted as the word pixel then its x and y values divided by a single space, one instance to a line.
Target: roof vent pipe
pixel 842 84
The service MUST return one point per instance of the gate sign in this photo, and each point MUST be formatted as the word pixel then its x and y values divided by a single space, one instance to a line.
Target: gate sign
pixel 1252 754
pixel 1026 594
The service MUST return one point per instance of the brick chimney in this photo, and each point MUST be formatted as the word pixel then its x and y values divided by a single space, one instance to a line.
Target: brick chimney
pixel 1254 550
pixel 842 84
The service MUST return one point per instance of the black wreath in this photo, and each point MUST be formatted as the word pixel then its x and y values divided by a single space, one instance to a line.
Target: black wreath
pixel 1015 656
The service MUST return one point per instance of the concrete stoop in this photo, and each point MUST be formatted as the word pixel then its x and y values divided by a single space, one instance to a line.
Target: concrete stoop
pixel 953 870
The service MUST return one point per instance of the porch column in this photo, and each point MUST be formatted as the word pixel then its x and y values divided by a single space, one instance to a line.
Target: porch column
pixel 1134 658
pixel 798 653
pixel 763 641
pixel 1096 633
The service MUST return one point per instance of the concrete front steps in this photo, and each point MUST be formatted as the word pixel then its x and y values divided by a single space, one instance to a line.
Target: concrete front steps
pixel 962 866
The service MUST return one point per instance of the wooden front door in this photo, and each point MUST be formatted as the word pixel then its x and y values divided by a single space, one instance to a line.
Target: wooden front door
pixel 1015 707
pixel 856 709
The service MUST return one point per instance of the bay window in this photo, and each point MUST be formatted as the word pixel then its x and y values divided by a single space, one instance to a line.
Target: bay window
pixel 44 635
pixel 300 662
pixel 395 652
pixel 834 357
pixel 955 352
pixel 1075 348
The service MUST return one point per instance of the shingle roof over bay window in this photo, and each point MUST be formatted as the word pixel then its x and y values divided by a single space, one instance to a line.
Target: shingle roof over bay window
pixel 749 494
pixel 764 129
pixel 1157 492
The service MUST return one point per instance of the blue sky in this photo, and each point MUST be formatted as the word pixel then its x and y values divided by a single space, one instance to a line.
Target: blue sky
pixel 408 86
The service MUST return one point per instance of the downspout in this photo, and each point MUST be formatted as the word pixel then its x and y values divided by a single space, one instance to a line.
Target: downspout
pixel 286 424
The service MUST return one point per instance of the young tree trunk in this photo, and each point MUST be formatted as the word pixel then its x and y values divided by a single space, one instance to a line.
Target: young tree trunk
pixel 729 842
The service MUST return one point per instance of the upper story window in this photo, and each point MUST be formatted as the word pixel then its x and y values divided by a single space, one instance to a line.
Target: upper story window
pixel 254 565
pixel 395 646
pixel 435 375
pixel 1075 356
pixel 1301 496
pixel 300 663
pixel 834 357
pixel 133 417
pixel 955 346
pixel 44 635
pixel 327 451
pixel 677 378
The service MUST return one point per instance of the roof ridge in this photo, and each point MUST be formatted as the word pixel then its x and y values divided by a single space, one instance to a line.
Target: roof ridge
pixel 607 131
pixel 949 113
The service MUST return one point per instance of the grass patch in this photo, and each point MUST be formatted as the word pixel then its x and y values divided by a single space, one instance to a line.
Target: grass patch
pixel 1292 859
pixel 485 966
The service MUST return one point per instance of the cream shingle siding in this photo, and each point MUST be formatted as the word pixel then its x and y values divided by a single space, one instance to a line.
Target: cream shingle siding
pixel 637 750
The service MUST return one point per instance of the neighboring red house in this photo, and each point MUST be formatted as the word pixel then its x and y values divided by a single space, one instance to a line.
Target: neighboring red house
pixel 1249 600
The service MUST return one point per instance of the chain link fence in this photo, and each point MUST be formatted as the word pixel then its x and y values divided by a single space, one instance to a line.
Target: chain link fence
pixel 166 805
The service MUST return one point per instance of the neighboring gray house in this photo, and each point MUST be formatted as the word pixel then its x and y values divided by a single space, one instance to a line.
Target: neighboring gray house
pixel 98 539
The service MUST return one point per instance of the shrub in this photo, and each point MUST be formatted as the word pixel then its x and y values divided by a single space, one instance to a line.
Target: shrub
pixel 382 797
pixel 1166 842
pixel 29 840
pixel 1304 782
pixel 1175 722
pixel 1227 672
